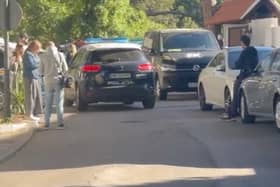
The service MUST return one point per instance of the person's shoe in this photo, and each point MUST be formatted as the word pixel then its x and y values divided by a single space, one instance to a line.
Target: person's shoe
pixel 227 117
pixel 46 128
pixel 60 127
pixel 34 118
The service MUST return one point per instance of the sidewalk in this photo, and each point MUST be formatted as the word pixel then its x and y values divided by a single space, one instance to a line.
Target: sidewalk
pixel 13 137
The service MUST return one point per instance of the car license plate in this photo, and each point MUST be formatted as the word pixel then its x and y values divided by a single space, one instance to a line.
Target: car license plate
pixel 125 82
pixel 120 76
pixel 192 84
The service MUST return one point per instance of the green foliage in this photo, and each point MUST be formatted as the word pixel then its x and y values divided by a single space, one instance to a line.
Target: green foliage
pixel 172 13
pixel 61 20
pixel 17 94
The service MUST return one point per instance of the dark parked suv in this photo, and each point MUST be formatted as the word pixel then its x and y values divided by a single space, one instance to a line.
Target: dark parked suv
pixel 111 72
pixel 178 55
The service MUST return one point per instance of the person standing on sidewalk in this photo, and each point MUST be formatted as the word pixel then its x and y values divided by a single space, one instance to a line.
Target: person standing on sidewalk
pixel 31 81
pixel 53 68
pixel 71 52
pixel 247 62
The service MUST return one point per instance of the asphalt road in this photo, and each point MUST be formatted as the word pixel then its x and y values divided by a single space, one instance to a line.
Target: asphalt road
pixel 174 145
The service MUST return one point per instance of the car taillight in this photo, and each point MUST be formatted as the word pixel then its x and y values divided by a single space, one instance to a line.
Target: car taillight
pixel 145 67
pixel 94 68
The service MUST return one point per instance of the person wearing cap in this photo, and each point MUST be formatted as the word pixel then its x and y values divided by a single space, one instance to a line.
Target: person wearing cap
pixel 247 63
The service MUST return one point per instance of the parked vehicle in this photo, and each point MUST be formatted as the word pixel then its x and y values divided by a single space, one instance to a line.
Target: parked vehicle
pixel 260 93
pixel 178 56
pixel 111 72
pixel 215 84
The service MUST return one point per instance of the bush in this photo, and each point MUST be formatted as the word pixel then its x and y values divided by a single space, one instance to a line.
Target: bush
pixel 17 94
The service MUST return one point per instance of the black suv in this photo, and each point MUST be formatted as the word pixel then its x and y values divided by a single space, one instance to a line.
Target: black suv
pixel 111 72
pixel 178 55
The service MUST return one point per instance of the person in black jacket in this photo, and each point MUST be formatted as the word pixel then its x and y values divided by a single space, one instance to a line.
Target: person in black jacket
pixel 247 63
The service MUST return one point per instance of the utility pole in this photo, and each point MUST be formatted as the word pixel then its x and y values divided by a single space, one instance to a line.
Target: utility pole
pixel 10 16
pixel 7 98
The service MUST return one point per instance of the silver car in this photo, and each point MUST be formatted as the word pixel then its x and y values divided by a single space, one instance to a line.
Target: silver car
pixel 260 93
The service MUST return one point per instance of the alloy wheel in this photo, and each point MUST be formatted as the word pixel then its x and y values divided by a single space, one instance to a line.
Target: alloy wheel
pixel 242 107
pixel 227 100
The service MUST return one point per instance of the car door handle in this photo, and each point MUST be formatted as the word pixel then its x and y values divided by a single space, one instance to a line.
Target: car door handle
pixel 255 81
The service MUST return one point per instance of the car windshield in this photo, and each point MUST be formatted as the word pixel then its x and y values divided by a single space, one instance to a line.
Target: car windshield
pixel 234 55
pixel 181 41
pixel 116 55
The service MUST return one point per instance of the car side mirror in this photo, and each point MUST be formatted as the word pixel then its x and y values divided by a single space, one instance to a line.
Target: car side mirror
pixel 221 68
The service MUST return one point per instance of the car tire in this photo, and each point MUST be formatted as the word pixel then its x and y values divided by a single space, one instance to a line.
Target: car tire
pixel 149 102
pixel 277 114
pixel 227 100
pixel 245 116
pixel 81 104
pixel 161 94
pixel 202 100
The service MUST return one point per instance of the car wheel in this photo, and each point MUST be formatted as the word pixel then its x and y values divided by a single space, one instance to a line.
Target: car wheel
pixel 161 94
pixel 228 101
pixel 245 116
pixel 202 100
pixel 81 104
pixel 149 102
pixel 277 114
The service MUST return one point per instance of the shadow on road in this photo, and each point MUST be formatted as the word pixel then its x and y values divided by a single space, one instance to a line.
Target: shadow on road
pixel 101 137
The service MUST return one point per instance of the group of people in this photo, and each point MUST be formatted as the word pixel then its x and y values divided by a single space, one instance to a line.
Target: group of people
pixel 41 69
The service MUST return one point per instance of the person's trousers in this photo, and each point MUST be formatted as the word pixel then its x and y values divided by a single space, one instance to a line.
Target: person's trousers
pixel 56 92
pixel 32 96
pixel 233 110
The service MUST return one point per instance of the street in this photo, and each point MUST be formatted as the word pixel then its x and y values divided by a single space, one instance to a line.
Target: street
pixel 173 145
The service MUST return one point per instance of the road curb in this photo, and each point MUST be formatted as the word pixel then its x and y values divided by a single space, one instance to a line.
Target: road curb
pixel 13 138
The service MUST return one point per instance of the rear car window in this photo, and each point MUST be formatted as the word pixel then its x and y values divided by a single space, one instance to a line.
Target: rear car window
pixel 180 41
pixel 234 55
pixel 116 55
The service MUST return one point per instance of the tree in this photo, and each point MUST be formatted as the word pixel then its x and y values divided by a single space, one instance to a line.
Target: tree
pixel 42 18
pixel 171 13
pixel 61 20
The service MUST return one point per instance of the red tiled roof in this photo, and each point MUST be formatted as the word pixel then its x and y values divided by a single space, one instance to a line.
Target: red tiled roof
pixel 230 11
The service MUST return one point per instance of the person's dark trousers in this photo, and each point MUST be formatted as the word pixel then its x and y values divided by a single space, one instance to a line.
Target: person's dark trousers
pixel 233 110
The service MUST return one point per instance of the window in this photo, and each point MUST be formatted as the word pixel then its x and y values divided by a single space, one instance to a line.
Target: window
pixel 115 55
pixel 276 63
pixel 265 63
pixel 234 55
pixel 178 41
pixel 218 60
